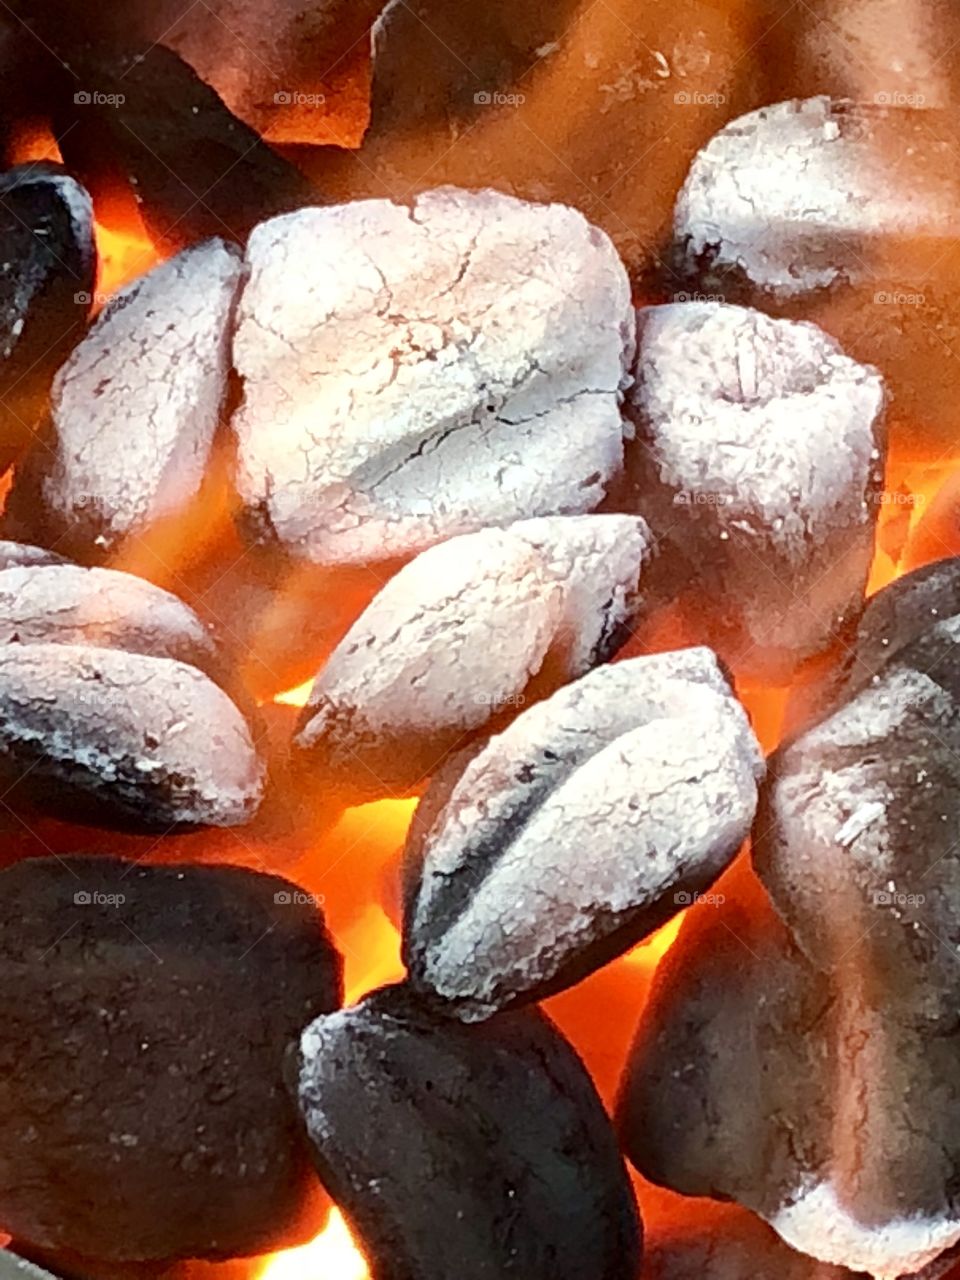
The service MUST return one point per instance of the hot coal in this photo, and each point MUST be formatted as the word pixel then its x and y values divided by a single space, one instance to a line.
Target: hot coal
pixel 104 608
pixel 283 66
pixel 845 214
pixel 733 1245
pixel 577 831
pixel 758 458
pixel 122 738
pixel 831 1107
pixel 900 614
pixel 48 264
pixel 135 409
pixel 474 1152
pixel 724 1094
pixel 13 1267
pixel 595 106
pixel 15 555
pixel 416 373
pixel 142 115
pixel 522 610
pixel 146 1013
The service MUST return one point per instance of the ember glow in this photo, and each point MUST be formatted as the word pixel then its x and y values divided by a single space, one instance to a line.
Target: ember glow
pixel 333 1255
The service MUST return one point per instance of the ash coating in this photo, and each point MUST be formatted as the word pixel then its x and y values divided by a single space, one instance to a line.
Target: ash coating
pixel 135 408
pixel 541 601
pixel 758 453
pixel 416 373
pixel 576 831
pixel 146 1016
pixel 127 738
pixel 477 1152
pixel 820 1060
pixel 787 196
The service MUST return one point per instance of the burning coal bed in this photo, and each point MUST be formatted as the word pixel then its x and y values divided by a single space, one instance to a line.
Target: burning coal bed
pixel 536 553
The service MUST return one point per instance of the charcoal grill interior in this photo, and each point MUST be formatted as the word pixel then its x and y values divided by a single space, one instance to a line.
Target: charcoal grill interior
pixel 479 635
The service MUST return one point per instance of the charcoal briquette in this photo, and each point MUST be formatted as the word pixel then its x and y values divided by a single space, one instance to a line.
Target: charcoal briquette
pixel 845 214
pixel 522 609
pixel 580 828
pixel 147 1013
pixel 810 1072
pixel 104 608
pixel 140 114
pixel 21 555
pixel 48 264
pixel 135 409
pixel 475 1152
pixel 414 373
pixel 757 459
pixel 123 739
pixel 596 106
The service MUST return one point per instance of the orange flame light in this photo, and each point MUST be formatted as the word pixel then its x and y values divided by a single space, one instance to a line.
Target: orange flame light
pixel 333 1255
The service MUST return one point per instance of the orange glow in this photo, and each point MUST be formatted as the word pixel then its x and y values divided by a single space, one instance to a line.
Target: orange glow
pixel 297 697
pixel 333 1255
pixel 123 256
pixel 32 142
pixel 648 953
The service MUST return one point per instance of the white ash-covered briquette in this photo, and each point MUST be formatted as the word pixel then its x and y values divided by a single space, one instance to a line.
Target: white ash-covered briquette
pixel 105 608
pixel 856 845
pixel 846 214
pixel 578 830
pixel 15 555
pixel 757 459
pixel 414 373
pixel 125 738
pixel 786 195
pixel 135 409
pixel 728 1243
pixel 475 1152
pixel 816 1065
pixel 147 1014
pixel 48 263
pixel 463 637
